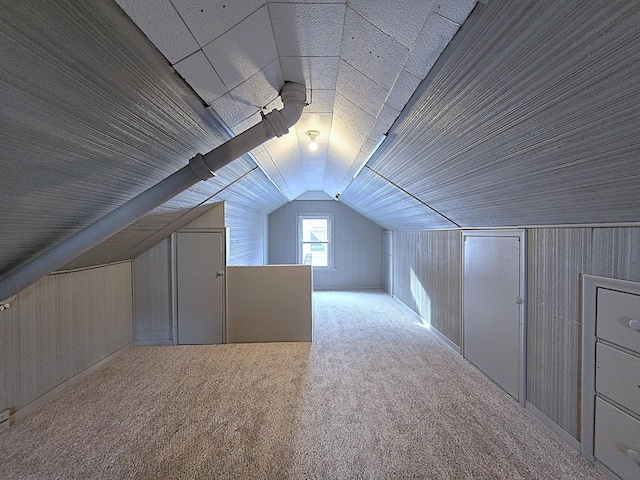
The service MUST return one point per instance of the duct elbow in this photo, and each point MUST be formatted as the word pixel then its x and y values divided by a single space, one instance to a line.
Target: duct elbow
pixel 294 98
pixel 278 122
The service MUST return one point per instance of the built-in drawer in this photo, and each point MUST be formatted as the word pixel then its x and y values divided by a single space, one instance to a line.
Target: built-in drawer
pixel 619 318
pixel 617 441
pixel 618 376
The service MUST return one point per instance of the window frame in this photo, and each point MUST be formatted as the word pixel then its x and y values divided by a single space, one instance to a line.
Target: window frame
pixel 329 242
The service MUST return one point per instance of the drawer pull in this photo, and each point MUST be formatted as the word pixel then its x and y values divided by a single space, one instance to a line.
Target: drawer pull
pixel 634 325
pixel 633 455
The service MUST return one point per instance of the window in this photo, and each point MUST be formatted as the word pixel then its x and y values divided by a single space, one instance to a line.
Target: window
pixel 314 239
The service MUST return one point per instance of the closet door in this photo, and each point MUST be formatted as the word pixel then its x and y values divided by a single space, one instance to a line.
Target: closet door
pixel 200 287
pixel 493 306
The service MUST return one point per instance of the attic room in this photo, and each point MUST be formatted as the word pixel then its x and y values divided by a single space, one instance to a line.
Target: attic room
pixel 320 239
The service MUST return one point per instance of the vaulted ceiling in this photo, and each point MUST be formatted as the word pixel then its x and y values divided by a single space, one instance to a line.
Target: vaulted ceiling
pixel 360 60
pixel 530 116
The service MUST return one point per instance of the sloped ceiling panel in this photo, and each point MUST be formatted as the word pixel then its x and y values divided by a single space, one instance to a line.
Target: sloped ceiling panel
pixel 389 206
pixel 530 117
pixel 92 115
pixel 253 191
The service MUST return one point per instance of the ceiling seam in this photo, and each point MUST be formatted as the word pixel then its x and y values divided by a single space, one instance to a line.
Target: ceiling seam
pixel 413 196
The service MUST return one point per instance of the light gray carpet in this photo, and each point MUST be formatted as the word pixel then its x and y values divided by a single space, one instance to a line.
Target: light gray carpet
pixel 375 396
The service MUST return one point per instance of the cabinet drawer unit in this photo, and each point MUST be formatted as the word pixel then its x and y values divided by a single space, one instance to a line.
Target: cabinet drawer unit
pixel 619 318
pixel 618 376
pixel 617 440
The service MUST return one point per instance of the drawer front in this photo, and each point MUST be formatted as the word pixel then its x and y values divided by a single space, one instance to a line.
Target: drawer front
pixel 617 314
pixel 617 441
pixel 618 376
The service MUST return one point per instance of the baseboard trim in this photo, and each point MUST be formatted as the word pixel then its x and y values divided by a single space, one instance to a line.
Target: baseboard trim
pixel 151 343
pixel 554 427
pixel 70 382
pixel 432 329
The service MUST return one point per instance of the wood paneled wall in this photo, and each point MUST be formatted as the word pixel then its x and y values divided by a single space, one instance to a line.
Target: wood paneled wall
pixel 426 275
pixel 556 258
pixel 60 326
pixel 357 244
pixel 427 279
pixel 246 235
pixel 153 309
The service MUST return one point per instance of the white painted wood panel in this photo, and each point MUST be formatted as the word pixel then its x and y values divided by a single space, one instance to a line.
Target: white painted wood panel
pixel 59 327
pixel 426 277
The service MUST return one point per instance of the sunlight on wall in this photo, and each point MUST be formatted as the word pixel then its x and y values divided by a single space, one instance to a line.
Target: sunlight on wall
pixel 421 300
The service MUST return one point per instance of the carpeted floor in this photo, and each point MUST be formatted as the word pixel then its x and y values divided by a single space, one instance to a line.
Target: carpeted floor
pixel 375 396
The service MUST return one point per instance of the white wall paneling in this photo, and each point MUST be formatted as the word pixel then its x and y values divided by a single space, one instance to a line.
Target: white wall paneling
pixel 357 244
pixel 61 326
pixel 426 277
pixel 557 257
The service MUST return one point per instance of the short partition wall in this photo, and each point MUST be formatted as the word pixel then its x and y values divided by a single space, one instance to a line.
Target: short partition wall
pixel 270 303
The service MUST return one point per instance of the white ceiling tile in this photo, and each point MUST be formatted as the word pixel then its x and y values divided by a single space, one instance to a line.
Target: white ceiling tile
pixel 284 151
pixel 163 26
pixel 320 101
pixel 313 72
pixel 359 89
pixel 228 110
pixel 383 123
pixel 455 10
pixel 357 163
pixel 431 42
pixel 356 119
pixel 208 19
pixel 307 30
pixel 259 90
pixel 402 90
pixel 199 73
pixel 372 51
pixel 402 21
pixel 246 124
pixel 244 50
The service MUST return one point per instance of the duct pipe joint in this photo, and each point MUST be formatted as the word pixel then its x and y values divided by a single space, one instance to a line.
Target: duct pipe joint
pixel 278 122
pixel 274 124
pixel 200 168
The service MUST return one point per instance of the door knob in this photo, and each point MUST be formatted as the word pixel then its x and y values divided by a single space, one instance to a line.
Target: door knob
pixel 518 300
pixel 219 273
pixel 634 325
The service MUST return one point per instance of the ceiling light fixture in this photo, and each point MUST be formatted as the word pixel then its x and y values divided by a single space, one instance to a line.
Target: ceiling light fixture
pixel 313 134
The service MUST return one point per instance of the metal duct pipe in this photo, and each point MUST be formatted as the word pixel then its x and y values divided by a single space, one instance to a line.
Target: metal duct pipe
pixel 200 167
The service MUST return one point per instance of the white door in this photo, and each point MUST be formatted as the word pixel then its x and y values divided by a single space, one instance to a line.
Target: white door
pixel 493 307
pixel 387 265
pixel 200 287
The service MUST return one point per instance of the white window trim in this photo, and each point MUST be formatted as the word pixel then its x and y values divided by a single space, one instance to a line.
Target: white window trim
pixel 329 217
